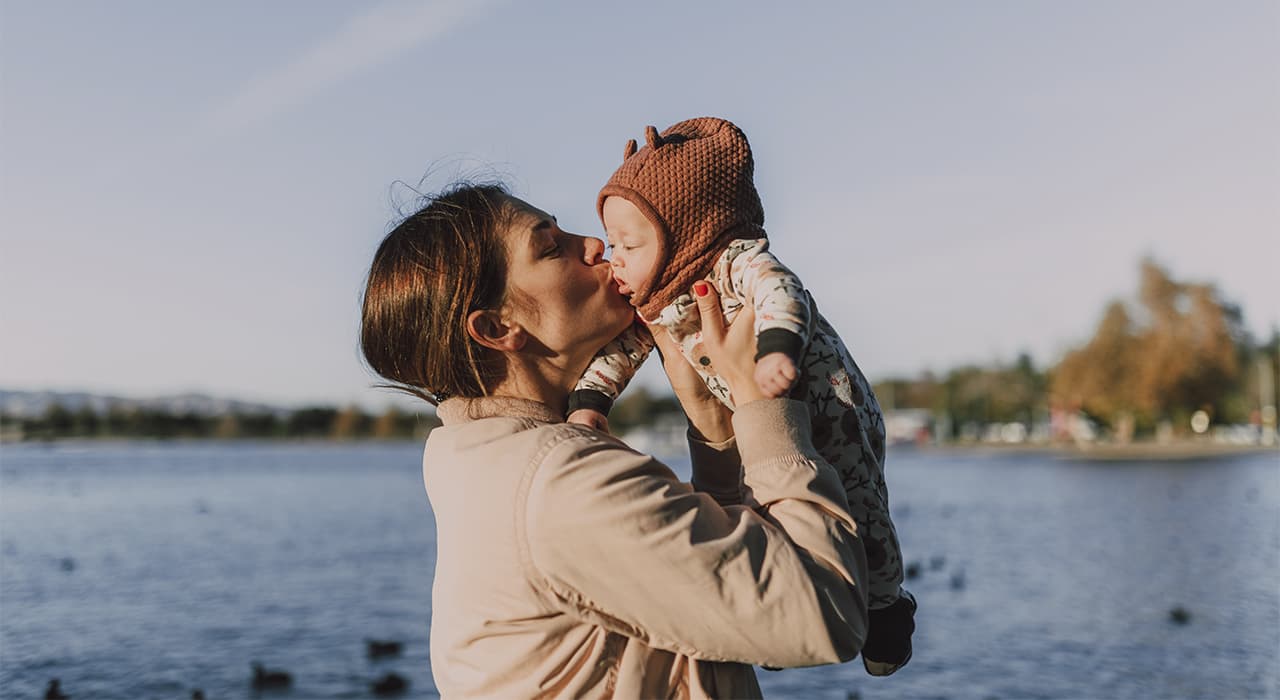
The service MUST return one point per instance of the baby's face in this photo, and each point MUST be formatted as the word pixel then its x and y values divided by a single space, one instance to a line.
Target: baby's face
pixel 634 242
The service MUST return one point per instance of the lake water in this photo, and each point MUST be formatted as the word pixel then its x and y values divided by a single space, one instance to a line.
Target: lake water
pixel 142 571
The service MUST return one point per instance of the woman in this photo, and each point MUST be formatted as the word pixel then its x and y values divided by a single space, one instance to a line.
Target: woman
pixel 568 564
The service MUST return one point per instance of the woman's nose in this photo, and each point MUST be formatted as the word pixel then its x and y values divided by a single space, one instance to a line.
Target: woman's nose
pixel 592 250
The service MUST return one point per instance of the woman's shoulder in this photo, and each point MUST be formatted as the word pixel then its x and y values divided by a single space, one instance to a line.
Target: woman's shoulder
pixel 538 443
pixel 515 430
pixel 563 443
pixel 575 457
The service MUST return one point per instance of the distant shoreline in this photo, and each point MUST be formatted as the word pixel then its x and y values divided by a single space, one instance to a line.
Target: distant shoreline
pixel 1184 450
pixel 186 440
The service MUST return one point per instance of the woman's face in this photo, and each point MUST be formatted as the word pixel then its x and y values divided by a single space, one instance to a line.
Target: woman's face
pixel 561 289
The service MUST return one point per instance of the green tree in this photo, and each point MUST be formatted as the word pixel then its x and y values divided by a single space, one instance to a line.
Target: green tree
pixel 640 407
pixel 260 425
pixel 315 421
pixel 87 423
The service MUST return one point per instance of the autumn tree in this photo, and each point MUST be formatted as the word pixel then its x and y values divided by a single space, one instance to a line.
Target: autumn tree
pixel 349 423
pixel 1178 352
pixel 384 426
pixel 1101 376
pixel 228 427
pixel 1190 347
pixel 394 424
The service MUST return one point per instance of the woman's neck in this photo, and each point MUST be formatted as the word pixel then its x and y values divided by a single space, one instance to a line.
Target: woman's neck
pixel 539 380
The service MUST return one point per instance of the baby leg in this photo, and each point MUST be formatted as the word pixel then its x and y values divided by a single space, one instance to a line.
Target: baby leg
pixel 848 431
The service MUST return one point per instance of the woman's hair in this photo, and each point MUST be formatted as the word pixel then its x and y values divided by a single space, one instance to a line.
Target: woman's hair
pixel 433 269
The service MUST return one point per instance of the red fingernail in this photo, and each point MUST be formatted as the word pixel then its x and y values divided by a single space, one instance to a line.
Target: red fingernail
pixel 700 288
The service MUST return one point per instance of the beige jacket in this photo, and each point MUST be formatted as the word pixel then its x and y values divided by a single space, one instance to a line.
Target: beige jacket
pixel 569 565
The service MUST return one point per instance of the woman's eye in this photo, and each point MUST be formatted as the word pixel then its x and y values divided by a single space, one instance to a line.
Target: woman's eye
pixel 552 251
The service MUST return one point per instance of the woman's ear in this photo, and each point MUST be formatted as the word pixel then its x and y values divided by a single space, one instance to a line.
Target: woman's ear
pixel 490 330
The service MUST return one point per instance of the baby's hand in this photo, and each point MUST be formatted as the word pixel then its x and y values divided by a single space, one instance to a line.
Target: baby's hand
pixel 775 373
pixel 590 418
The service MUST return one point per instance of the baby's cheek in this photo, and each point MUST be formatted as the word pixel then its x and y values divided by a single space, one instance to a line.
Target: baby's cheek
pixel 646 272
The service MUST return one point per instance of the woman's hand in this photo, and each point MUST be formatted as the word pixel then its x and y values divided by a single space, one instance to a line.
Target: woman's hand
pixel 590 418
pixel 709 419
pixel 732 348
pixel 730 351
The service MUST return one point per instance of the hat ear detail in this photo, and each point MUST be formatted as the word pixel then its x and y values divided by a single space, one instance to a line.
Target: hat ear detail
pixel 651 137
pixel 630 149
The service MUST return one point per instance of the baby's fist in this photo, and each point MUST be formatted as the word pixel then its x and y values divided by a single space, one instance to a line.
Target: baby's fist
pixel 590 418
pixel 775 373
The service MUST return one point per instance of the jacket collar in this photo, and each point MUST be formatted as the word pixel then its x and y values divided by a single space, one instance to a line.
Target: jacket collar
pixel 462 410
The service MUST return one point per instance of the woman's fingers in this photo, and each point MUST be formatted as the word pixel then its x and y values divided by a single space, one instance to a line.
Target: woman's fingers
pixel 712 318
pixel 738 336
pixel 741 336
pixel 684 379
pixel 730 352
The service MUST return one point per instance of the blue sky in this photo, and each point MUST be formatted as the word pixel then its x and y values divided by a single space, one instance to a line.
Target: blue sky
pixel 190 193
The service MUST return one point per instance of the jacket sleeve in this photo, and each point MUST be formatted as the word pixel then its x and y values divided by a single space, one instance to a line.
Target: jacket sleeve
pixel 611 370
pixel 776 294
pixel 619 541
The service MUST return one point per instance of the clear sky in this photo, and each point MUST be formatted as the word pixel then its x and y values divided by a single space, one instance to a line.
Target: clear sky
pixel 190 193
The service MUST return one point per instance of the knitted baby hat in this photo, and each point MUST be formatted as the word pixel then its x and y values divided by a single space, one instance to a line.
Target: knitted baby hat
pixel 694 183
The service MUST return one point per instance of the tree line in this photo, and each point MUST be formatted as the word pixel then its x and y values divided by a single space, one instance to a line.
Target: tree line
pixel 1177 348
pixel 315 422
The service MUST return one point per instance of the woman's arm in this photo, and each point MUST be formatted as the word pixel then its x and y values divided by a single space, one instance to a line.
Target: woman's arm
pixel 717 467
pixel 709 419
pixel 621 542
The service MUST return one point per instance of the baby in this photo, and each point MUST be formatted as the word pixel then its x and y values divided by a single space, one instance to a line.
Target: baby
pixel 684 209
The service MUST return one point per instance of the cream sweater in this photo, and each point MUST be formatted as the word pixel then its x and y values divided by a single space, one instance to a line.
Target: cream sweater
pixel 570 565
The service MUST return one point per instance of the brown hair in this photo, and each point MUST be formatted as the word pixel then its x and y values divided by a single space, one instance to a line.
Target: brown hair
pixel 433 269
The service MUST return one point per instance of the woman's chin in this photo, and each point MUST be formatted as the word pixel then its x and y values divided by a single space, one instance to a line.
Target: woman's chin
pixel 616 299
pixel 619 316
pixel 625 318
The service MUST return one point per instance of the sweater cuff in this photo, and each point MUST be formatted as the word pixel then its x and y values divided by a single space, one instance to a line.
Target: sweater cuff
pixel 769 429
pixel 717 469
pixel 780 340
pixel 592 399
